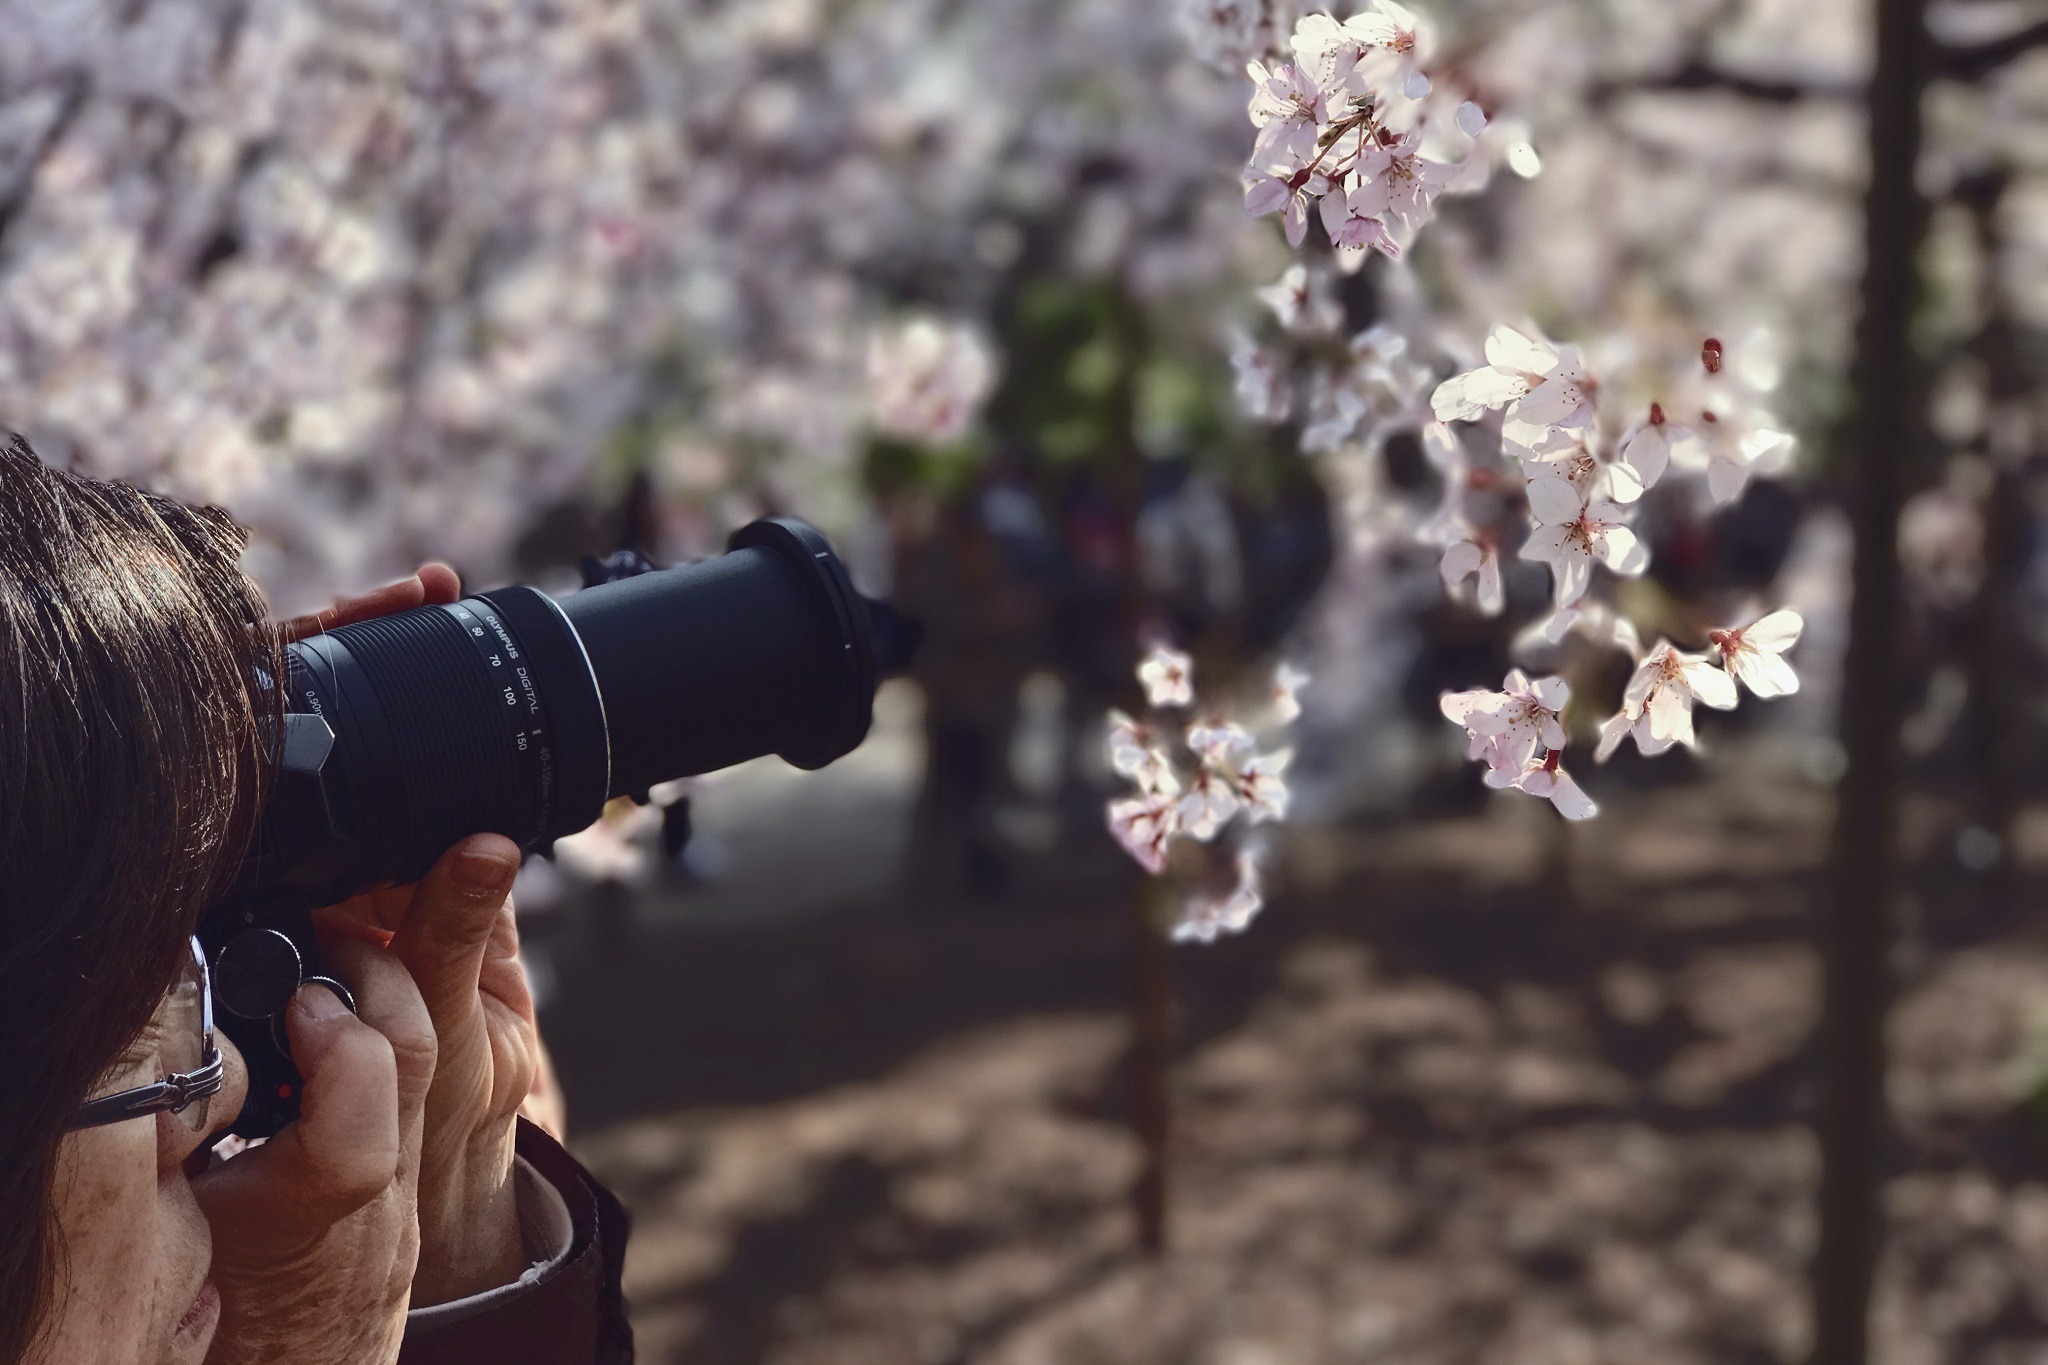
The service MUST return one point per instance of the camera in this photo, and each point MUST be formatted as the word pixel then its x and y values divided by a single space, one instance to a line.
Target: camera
pixel 513 713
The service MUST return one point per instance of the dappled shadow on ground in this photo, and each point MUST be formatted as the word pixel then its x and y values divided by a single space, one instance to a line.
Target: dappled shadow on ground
pixel 1472 1093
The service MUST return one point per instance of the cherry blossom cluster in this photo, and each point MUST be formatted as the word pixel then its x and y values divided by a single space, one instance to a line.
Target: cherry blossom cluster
pixel 929 379
pixel 1200 775
pixel 1579 482
pixel 1350 124
pixel 392 281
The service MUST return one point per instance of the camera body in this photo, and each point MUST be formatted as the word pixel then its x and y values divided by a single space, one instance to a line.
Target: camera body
pixel 511 713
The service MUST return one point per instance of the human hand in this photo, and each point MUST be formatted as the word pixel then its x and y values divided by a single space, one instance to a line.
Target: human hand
pixel 315 1233
pixel 455 931
pixel 432 585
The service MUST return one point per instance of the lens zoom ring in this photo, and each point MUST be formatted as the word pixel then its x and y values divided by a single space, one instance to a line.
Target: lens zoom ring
pixel 460 775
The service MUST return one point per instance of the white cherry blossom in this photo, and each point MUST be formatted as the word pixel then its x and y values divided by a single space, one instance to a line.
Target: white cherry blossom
pixel 1218 743
pixel 1596 621
pixel 1571 534
pixel 1563 455
pixel 1542 385
pixel 1262 786
pixel 929 379
pixel 1754 654
pixel 1476 555
pixel 1739 443
pixel 1264 389
pixel 1134 752
pixel 1302 301
pixel 1223 33
pixel 1286 695
pixel 1168 676
pixel 1209 802
pixel 1208 916
pixel 1657 704
pixel 1375 52
pixel 1645 449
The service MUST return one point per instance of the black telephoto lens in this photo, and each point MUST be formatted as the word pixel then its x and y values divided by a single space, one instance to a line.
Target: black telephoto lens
pixel 514 714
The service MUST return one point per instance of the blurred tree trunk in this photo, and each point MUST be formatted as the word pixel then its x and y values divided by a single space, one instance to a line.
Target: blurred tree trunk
pixel 1152 1011
pixel 1997 648
pixel 1863 859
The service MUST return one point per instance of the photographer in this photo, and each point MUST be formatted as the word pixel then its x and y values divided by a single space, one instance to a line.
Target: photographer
pixel 408 1214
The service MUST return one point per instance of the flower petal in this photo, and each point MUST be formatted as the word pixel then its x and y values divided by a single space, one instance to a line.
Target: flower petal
pixel 1712 686
pixel 1776 633
pixel 1572 574
pixel 1615 546
pixel 1767 675
pixel 1460 561
pixel 1554 502
pixel 1508 349
pixel 1491 597
pixel 1670 715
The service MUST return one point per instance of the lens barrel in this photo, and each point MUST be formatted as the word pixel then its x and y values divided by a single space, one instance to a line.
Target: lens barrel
pixel 765 650
pixel 511 713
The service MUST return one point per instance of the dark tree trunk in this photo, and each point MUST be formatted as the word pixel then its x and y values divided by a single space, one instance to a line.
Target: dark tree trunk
pixel 1860 884
pixel 1152 1027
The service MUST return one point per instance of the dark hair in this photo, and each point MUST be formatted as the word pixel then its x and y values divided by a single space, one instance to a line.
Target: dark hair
pixel 131 767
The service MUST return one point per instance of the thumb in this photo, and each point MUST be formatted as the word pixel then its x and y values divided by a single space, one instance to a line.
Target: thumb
pixel 340 1153
pixel 448 926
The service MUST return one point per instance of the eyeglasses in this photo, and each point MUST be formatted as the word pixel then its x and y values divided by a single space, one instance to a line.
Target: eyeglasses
pixel 192 1064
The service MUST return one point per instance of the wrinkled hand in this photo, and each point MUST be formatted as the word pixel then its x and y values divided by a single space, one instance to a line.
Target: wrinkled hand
pixel 315 1234
pixel 455 932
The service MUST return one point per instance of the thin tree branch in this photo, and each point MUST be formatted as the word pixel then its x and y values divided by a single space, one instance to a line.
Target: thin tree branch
pixel 1978 61
pixel 1697 74
pixel 14 196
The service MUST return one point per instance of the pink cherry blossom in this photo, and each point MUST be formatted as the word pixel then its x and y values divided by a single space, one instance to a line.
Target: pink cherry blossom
pixel 1508 727
pixel 1289 110
pixel 1408 182
pixel 1545 777
pixel 1353 219
pixel 1145 826
pixel 1134 752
